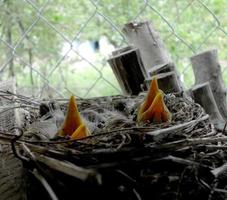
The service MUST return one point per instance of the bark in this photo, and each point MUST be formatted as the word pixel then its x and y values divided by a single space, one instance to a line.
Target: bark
pixel 143 36
pixel 128 68
pixel 206 68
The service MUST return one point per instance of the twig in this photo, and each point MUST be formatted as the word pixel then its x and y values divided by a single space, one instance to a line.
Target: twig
pixel 179 161
pixel 220 190
pixel 223 131
pixel 162 133
pixel 220 170
pixel 188 142
pixel 136 194
pixel 45 184
pixel 70 169
pixel 216 147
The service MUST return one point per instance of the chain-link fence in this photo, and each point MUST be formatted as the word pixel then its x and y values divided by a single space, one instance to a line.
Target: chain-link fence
pixel 56 47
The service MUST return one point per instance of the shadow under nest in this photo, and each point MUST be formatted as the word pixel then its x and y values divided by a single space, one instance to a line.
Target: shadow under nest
pixel 126 160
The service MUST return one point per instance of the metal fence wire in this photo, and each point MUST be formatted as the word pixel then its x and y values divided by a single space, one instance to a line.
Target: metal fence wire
pixel 55 48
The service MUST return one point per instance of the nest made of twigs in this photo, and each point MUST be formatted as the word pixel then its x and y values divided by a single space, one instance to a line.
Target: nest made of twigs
pixel 114 126
pixel 162 160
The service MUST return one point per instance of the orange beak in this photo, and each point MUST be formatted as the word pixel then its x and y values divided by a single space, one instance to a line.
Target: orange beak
pixel 153 109
pixel 81 132
pixel 73 124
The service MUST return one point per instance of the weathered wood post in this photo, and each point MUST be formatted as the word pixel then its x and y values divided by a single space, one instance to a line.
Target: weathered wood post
pixel 143 36
pixel 173 78
pixel 154 55
pixel 167 82
pixel 129 70
pixel 162 68
pixel 203 95
pixel 207 68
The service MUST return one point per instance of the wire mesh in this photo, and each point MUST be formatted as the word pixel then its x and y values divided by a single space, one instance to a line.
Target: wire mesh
pixel 55 48
pixel 11 171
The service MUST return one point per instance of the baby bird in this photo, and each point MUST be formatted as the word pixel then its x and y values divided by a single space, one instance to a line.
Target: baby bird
pixel 73 125
pixel 153 109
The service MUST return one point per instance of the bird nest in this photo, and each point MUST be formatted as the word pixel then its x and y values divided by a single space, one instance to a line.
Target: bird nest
pixel 180 159
pixel 112 121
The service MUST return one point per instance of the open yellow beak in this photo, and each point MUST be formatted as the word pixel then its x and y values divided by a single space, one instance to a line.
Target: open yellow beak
pixel 81 132
pixel 73 124
pixel 153 109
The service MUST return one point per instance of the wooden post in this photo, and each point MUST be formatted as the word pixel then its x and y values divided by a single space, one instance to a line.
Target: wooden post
pixel 128 68
pixel 207 68
pixel 166 67
pixel 143 36
pixel 203 95
pixel 122 50
pixel 167 82
pixel 162 68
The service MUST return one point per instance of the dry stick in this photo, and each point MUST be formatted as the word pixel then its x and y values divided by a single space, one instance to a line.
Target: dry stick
pixel 203 95
pixel 45 184
pixel 179 161
pixel 220 190
pixel 42 150
pixel 64 166
pixel 36 173
pixel 70 169
pixel 207 68
pixel 188 142
pixel 216 147
pixel 144 36
pixel 162 133
pixel 167 82
pixel 36 147
pixel 128 68
pixel 220 170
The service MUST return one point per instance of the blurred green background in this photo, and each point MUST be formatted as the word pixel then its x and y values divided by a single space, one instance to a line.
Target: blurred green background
pixel 56 48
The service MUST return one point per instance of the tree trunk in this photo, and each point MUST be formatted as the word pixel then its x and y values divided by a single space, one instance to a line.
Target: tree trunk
pixel 203 95
pixel 143 36
pixel 207 68
pixel 10 53
pixel 21 26
pixel 30 63
pixel 128 68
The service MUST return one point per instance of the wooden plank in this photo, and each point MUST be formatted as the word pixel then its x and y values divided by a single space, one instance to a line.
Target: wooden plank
pixel 128 68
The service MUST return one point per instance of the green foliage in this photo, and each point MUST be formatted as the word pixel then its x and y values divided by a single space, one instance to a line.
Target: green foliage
pixel 186 26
